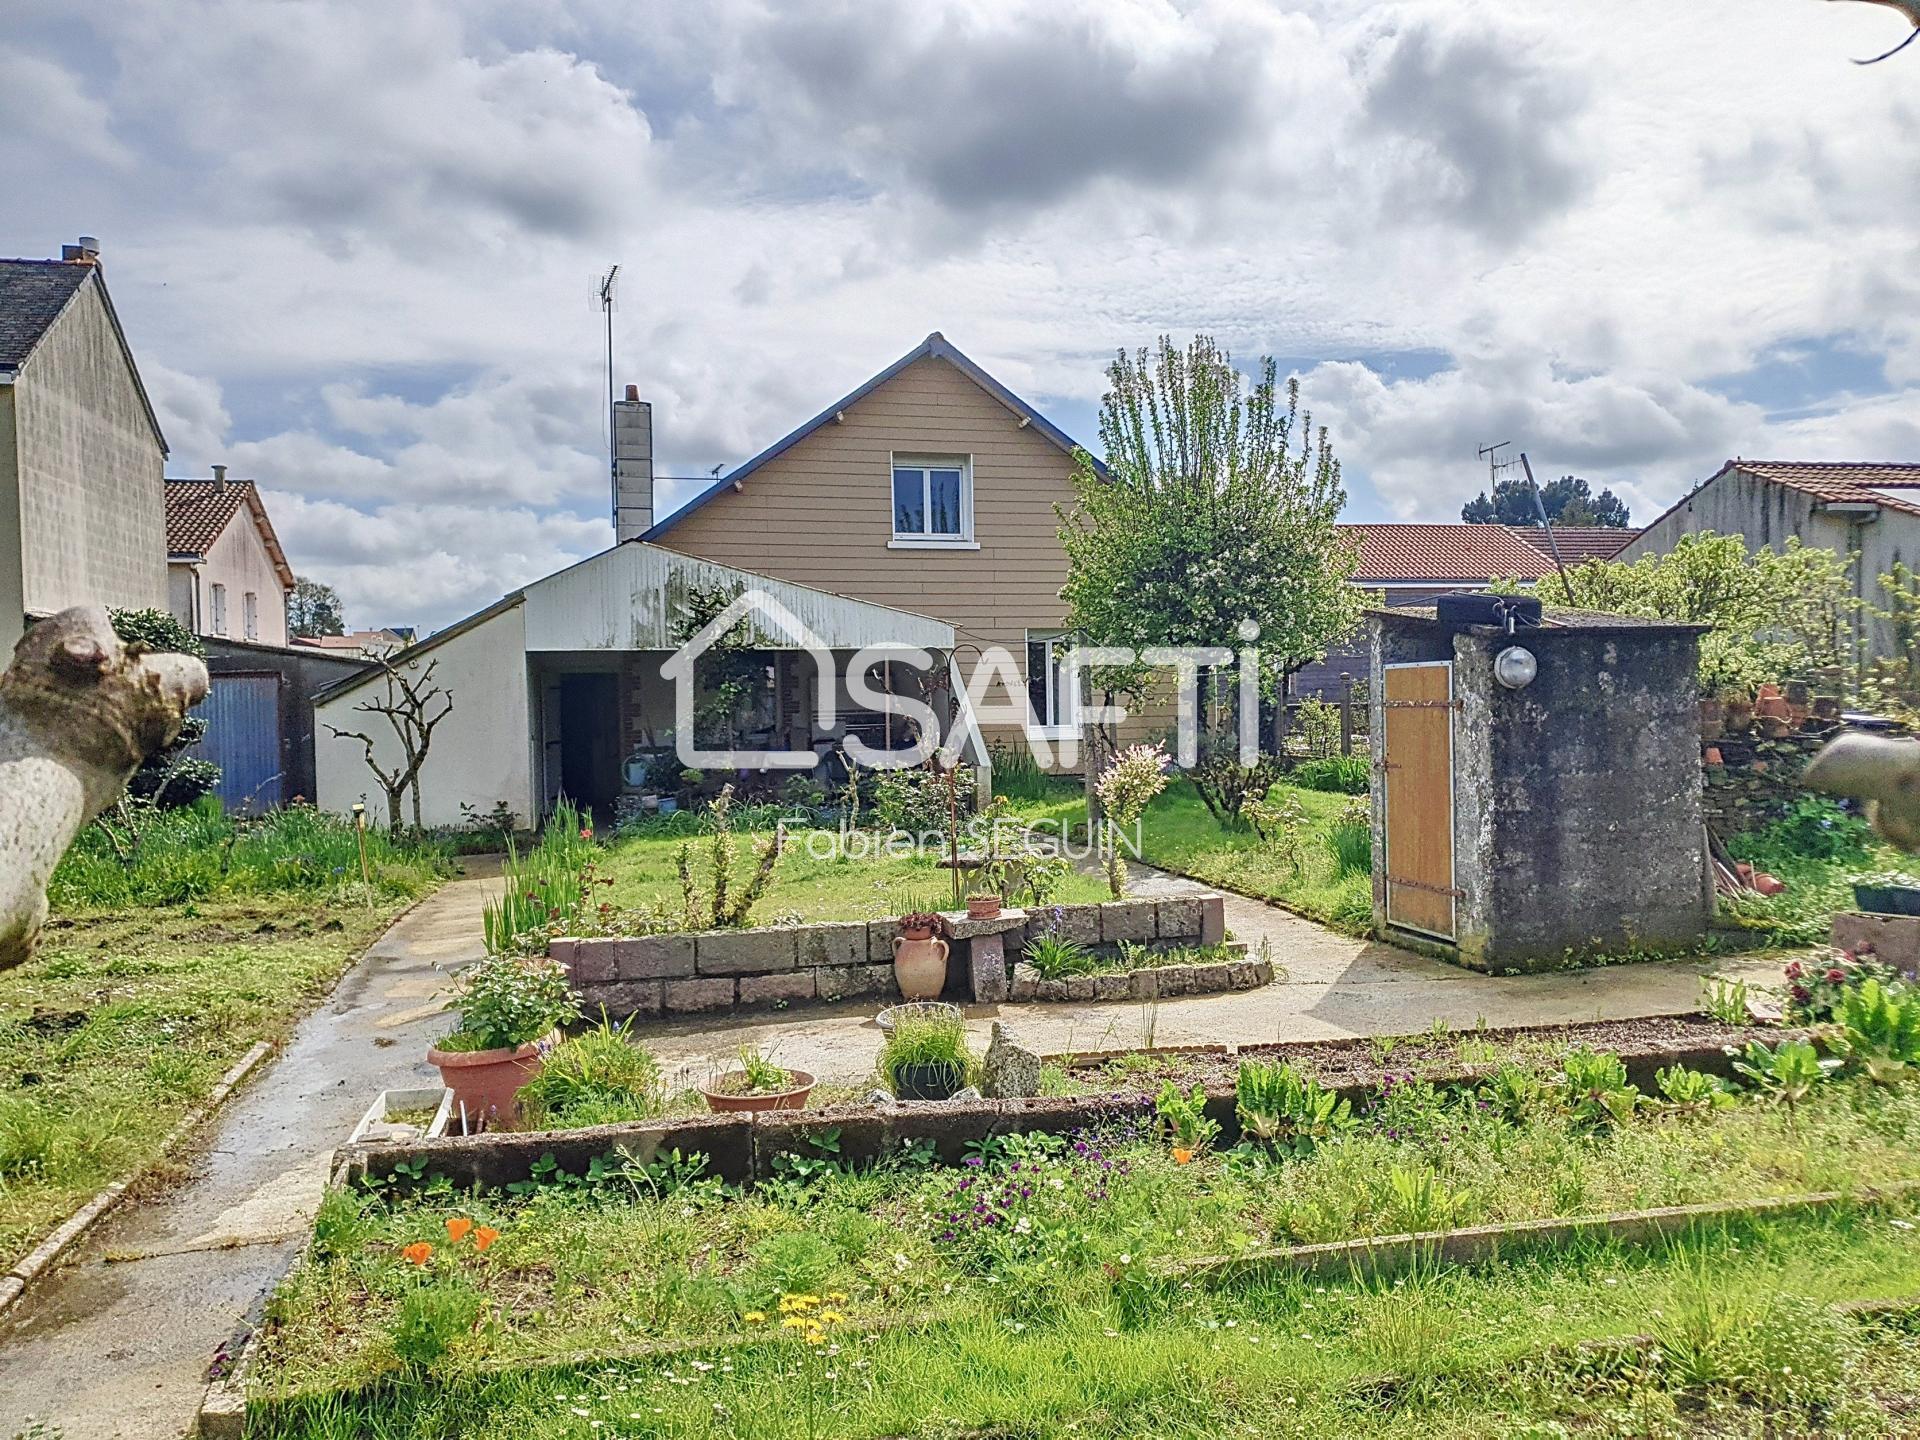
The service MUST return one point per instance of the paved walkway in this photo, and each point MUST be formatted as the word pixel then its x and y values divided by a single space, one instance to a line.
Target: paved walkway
pixel 116 1342
pixel 1327 987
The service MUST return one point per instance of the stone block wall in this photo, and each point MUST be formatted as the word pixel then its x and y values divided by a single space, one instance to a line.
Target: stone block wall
pixel 779 966
pixel 1757 779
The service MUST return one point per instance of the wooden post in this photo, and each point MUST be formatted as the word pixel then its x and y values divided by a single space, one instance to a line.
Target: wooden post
pixel 1346 713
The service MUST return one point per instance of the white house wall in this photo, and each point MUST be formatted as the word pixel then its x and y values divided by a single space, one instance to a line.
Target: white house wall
pixel 624 599
pixel 239 560
pixel 481 753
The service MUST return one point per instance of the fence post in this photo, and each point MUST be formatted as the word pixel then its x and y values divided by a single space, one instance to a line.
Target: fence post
pixel 1346 713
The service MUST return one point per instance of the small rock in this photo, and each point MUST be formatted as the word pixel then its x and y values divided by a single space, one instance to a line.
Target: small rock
pixel 879 1097
pixel 970 1093
pixel 1012 1071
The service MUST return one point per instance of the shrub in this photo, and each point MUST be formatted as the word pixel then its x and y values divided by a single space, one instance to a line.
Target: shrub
pixel 1814 828
pixel 1337 774
pixel 1126 787
pixel 507 1001
pixel 598 1078
pixel 916 801
pixel 1598 1095
pixel 169 777
pixel 1280 1108
pixel 924 1039
pixel 543 890
pixel 796 1262
pixel 431 1319
pixel 1054 956
pixel 1280 820
pixel 1350 840
pixel 1316 725
pixel 720 906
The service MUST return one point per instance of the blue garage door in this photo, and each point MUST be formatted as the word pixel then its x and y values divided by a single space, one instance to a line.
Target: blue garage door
pixel 243 738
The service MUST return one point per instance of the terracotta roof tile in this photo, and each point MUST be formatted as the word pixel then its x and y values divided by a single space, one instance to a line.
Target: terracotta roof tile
pixel 1445 553
pixel 1894 485
pixel 1578 542
pixel 199 510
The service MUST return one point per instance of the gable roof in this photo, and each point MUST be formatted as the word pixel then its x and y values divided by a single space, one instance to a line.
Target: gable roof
pixel 1578 542
pixel 198 511
pixel 1846 481
pixel 32 295
pixel 36 293
pixel 1445 553
pixel 936 346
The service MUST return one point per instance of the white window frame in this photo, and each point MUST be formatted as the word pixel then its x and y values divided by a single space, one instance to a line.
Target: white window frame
pixel 219 609
pixel 921 540
pixel 1064 704
pixel 250 615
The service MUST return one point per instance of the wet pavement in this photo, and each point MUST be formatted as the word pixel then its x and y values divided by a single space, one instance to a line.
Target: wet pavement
pixel 117 1340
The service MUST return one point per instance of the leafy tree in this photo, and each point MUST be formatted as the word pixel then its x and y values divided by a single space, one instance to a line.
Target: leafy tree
pixel 1568 501
pixel 170 778
pixel 314 609
pixel 1775 613
pixel 1893 681
pixel 1218 506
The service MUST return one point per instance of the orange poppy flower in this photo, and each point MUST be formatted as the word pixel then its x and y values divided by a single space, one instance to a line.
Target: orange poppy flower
pixel 457 1228
pixel 484 1236
pixel 1182 1157
pixel 417 1253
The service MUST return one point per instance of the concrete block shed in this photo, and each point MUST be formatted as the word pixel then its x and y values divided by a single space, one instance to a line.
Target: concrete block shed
pixel 1524 827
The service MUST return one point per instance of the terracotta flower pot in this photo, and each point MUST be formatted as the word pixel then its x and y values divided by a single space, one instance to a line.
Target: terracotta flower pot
pixel 485 1082
pixel 730 1102
pixel 1773 707
pixel 1739 715
pixel 1712 756
pixel 919 967
pixel 982 907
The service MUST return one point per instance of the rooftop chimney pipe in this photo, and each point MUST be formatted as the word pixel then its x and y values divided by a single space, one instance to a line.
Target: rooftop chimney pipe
pixel 87 252
pixel 219 479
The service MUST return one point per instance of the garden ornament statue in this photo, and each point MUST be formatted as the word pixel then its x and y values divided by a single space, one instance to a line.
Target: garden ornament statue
pixel 79 711
pixel 1881 771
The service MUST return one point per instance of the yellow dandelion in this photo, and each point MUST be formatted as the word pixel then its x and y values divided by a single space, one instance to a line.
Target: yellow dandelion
pixel 805 1302
pixel 754 1317
pixel 787 1305
pixel 792 1322
pixel 832 1317
pixel 814 1337
pixel 838 1297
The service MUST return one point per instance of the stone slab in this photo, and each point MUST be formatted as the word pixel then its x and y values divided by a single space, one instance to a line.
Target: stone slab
pixel 745 952
pixel 593 960
pixel 958 925
pixel 653 957
pixel 682 997
pixel 832 945
pixel 880 937
pixel 622 998
pixel 1126 920
pixel 1213 918
pixel 1178 919
pixel 1113 986
pixel 1026 983
pixel 781 989
pixel 1079 923
pixel 987 968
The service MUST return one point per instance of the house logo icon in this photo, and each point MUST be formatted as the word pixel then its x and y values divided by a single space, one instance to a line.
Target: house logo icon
pixel 767 616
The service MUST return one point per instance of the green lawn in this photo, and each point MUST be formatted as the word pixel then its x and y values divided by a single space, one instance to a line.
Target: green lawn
pixel 816 878
pixel 123 1022
pixel 1180 835
pixel 1058 1316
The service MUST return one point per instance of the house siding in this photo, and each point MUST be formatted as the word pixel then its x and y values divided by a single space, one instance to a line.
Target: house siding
pixel 820 514
pixel 87 468
pixel 239 560
pixel 1766 514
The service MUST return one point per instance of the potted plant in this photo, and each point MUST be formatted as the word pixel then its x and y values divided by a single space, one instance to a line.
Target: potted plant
pixel 509 1007
pixel 926 1058
pixel 983 905
pixel 758 1084
pixel 1738 707
pixel 1887 892
pixel 919 958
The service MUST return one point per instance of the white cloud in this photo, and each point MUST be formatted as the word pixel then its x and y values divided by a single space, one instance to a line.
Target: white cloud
pixel 354 242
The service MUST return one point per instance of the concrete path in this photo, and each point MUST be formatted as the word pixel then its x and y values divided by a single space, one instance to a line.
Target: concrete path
pixel 117 1341
pixel 1327 987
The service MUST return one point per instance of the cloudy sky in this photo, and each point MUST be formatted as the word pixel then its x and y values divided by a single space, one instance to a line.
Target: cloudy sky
pixel 355 244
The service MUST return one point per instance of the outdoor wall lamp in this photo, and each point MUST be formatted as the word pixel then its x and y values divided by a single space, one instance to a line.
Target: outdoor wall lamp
pixel 1515 667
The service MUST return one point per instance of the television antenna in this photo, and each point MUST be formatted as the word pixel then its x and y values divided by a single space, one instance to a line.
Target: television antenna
pixel 1497 464
pixel 613 464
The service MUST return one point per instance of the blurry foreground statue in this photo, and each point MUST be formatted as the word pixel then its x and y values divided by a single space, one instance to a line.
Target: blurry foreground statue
pixel 79 711
pixel 1883 772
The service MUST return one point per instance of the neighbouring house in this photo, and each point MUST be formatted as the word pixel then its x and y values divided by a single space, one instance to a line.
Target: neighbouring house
pixel 1411 564
pixel 565 687
pixel 1871 509
pixel 82 519
pixel 931 487
pixel 226 573
pixel 361 644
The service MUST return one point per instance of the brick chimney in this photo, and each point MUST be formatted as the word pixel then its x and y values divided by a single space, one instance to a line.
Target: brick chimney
pixel 632 466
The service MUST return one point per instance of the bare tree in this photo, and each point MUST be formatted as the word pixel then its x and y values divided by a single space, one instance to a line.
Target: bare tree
pixel 413 705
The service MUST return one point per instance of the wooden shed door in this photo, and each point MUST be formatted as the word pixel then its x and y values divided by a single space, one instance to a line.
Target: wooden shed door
pixel 1419 797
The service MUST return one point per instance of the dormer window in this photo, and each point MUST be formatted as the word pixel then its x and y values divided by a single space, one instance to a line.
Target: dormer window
pixel 932 500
